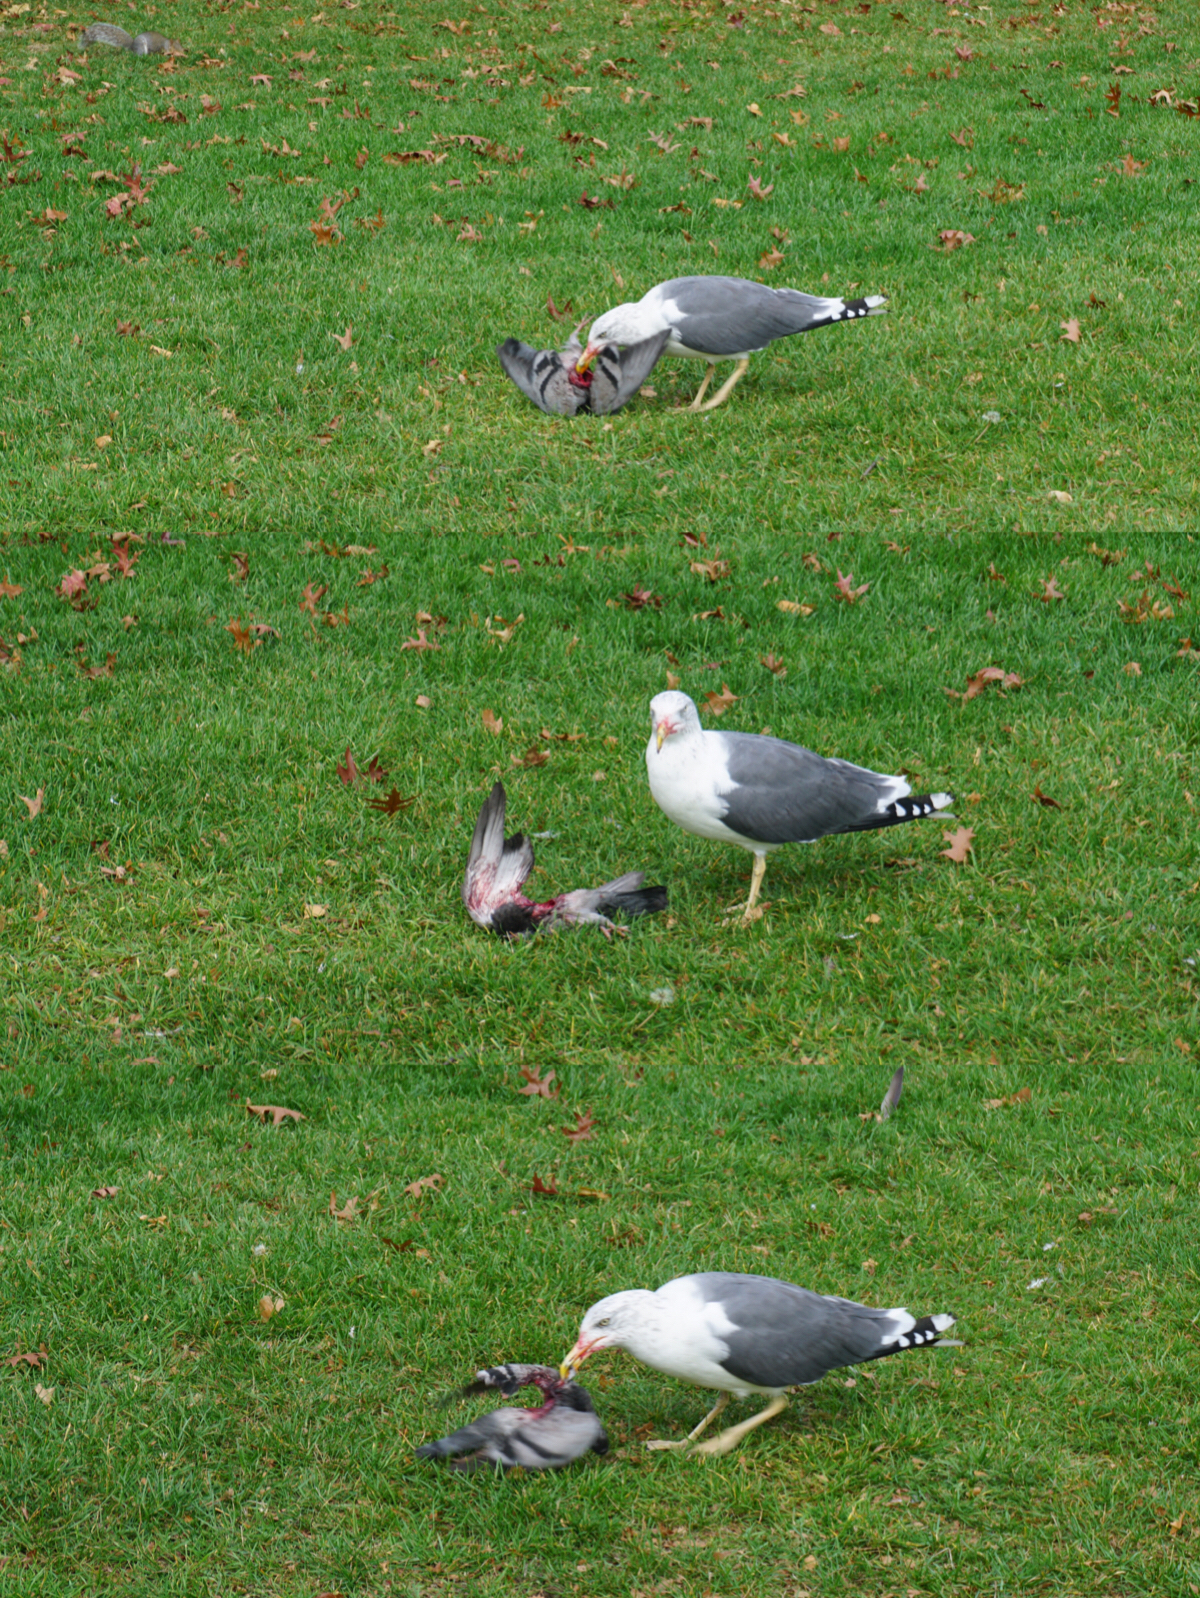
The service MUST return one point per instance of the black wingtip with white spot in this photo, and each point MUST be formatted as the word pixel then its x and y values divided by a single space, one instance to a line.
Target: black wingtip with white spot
pixel 925 1333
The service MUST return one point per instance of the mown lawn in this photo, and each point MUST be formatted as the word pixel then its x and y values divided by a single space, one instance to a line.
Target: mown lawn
pixel 200 913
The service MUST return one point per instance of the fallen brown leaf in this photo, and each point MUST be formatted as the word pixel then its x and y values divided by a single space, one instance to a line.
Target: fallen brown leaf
pixel 425 1184
pixel 278 1115
pixel 543 1087
pixel 960 844
pixel 34 804
pixel 583 1129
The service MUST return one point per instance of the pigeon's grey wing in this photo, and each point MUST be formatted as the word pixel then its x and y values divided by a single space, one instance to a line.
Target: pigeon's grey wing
pixel 549 1441
pixel 496 866
pixel 620 373
pixel 533 1439
pixel 541 377
pixel 489 1433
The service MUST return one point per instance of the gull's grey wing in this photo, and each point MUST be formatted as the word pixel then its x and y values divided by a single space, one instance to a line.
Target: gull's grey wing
pixel 786 1336
pixel 725 316
pixel 619 374
pixel 496 866
pixel 787 794
pixel 542 377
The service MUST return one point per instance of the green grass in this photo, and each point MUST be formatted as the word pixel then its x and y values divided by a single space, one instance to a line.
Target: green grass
pixel 188 1445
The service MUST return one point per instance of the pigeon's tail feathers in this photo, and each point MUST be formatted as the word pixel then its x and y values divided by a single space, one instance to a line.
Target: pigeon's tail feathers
pixel 633 902
pixel 623 896
pixel 496 866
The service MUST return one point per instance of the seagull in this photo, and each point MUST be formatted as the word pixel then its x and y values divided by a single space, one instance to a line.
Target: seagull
pixel 760 792
pixel 721 319
pixel 746 1334
pixel 563 385
pixel 496 871
pixel 560 1431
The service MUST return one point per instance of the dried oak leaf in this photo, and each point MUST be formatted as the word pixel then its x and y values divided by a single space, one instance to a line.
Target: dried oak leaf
pixel 35 804
pixel 543 1087
pixel 348 771
pixel 278 1115
pixel 1050 591
pixel 1021 1096
pixel 348 1211
pixel 719 703
pixel 34 1361
pixel 960 844
pixel 844 588
pixel 583 1129
pixel 393 803
pixel 105 1192
pixel 493 723
pixel 424 1184
pixel 1045 799
pixel 546 1189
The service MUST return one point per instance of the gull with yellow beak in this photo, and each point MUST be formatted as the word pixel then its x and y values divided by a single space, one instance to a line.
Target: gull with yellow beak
pixel 721 319
pixel 746 1334
pixel 760 792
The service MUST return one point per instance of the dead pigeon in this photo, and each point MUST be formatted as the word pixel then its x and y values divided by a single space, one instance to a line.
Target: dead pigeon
pixel 561 1430
pixel 554 382
pixel 496 871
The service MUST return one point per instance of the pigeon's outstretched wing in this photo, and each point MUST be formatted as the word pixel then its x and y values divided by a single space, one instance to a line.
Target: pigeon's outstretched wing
pixel 560 1431
pixel 618 374
pixel 531 1438
pixel 543 377
pixel 496 866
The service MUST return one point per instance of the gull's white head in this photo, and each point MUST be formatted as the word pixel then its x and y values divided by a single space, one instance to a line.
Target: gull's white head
pixel 608 1324
pixel 672 715
pixel 621 325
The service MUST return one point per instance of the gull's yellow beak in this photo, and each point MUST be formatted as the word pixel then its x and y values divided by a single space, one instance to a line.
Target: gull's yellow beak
pixel 572 1361
pixel 588 356
pixel 660 732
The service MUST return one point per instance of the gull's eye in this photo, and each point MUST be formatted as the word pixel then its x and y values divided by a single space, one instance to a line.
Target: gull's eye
pixel 605 1321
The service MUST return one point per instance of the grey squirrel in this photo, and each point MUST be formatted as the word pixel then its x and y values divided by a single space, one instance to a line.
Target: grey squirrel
pixel 144 44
